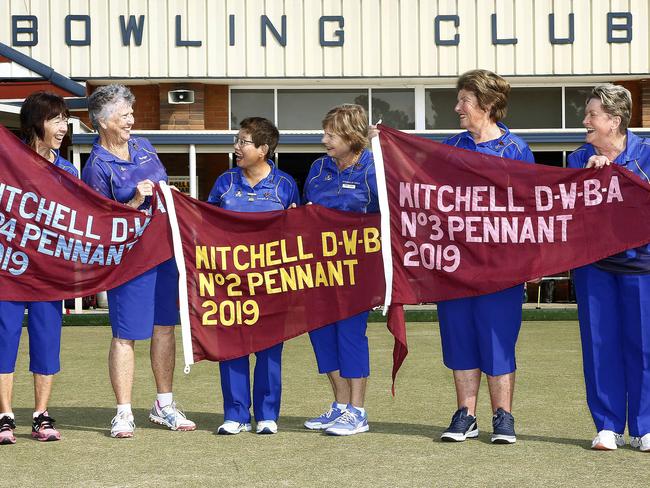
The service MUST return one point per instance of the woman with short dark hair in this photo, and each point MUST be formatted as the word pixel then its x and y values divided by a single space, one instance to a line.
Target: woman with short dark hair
pixel 44 124
pixel 255 184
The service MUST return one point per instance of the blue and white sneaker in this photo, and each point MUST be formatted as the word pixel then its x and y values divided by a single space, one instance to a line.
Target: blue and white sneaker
pixel 463 426
pixel 325 420
pixel 351 422
pixel 503 428
pixel 171 417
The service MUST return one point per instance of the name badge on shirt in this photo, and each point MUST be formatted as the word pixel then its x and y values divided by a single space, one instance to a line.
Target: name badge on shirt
pixel 251 197
pixel 349 186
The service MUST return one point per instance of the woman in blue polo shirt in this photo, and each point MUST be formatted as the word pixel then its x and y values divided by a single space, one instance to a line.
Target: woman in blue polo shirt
pixel 44 124
pixel 124 168
pixel 479 333
pixel 254 185
pixel 344 179
pixel 613 294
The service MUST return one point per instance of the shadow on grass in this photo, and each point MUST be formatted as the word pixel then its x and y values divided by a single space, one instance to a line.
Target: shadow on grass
pixel 97 419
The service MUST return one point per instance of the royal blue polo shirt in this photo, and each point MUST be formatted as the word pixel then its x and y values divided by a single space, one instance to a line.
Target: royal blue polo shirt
pixel 64 164
pixel 232 191
pixel 636 158
pixel 117 179
pixel 507 146
pixel 354 189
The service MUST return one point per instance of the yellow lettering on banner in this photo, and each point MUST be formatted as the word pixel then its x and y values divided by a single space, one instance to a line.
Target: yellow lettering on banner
pixel 305 279
pixel 271 252
pixel 254 280
pixel 350 242
pixel 239 265
pixel 257 255
pixel 206 284
pixel 283 252
pixel 202 257
pixel 371 239
pixel 329 243
pixel 288 279
pixel 350 263
pixel 270 280
pixel 321 277
pixel 223 251
pixel 335 272
pixel 301 252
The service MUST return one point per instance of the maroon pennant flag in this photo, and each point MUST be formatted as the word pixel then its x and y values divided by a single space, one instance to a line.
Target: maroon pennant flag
pixel 61 239
pixel 256 279
pixel 463 223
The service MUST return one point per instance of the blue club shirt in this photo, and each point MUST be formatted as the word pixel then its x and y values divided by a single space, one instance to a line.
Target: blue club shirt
pixel 64 164
pixel 354 189
pixel 117 179
pixel 507 146
pixel 636 158
pixel 232 191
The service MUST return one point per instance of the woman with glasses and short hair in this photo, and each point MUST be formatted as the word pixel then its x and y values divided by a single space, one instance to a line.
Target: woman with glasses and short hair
pixel 255 184
pixel 44 124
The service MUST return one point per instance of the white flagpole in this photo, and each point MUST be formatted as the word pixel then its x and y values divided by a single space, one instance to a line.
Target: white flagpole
pixel 385 220
pixel 186 331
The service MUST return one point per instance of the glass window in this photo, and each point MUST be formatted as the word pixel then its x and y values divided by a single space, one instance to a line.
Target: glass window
pixel 250 103
pixel 439 108
pixel 305 109
pixel 574 108
pixel 395 108
pixel 534 108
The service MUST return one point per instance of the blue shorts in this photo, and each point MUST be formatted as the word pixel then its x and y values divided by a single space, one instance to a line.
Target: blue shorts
pixel 148 299
pixel 481 332
pixel 44 328
pixel 343 346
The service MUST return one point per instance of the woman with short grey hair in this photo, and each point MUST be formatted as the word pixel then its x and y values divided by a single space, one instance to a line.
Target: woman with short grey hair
pixel 150 298
pixel 613 294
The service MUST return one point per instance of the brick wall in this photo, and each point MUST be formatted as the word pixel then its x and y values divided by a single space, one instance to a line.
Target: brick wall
pixel 217 111
pixel 182 116
pixel 637 111
pixel 644 106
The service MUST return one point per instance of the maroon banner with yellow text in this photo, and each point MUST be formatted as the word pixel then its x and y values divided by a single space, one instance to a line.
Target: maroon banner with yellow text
pixel 464 223
pixel 61 239
pixel 257 279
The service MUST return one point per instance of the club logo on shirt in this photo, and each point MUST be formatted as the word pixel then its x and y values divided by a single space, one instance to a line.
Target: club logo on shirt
pixel 238 193
pixel 328 177
pixel 267 194
pixel 122 168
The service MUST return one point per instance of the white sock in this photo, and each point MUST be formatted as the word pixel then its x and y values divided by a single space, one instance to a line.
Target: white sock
pixel 124 408
pixel 36 414
pixel 361 409
pixel 341 406
pixel 164 399
pixel 7 414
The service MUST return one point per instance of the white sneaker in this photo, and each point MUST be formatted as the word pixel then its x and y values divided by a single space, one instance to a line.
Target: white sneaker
pixel 641 443
pixel 230 427
pixel 122 426
pixel 607 440
pixel 267 427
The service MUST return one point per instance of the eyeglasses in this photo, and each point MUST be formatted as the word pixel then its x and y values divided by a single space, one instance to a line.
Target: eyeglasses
pixel 242 142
